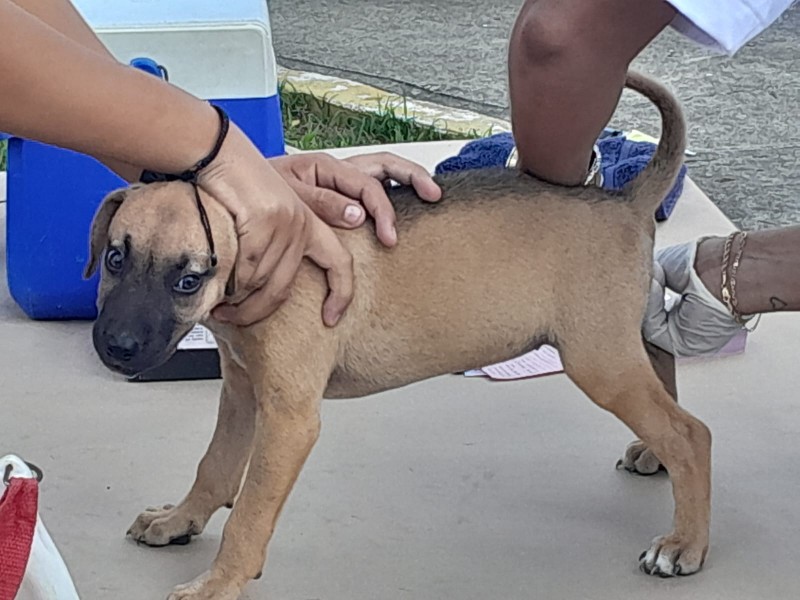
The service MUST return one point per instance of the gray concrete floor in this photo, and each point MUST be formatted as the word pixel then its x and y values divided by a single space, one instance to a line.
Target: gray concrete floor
pixel 743 112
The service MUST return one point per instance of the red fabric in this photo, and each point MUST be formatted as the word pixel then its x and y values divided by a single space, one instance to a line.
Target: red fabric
pixel 18 509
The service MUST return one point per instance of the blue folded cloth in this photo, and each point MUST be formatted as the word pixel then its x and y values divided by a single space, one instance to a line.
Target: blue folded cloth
pixel 622 160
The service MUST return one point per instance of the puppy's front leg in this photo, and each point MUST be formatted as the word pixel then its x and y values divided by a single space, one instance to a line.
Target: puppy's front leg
pixel 287 427
pixel 219 473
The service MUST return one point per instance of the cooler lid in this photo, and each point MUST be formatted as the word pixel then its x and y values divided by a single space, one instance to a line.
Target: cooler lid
pixel 105 14
pixel 178 34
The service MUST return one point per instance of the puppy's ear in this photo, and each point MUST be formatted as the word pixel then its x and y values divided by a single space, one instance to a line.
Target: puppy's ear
pixel 98 236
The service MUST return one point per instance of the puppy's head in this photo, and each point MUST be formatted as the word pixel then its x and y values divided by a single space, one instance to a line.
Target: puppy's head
pixel 157 278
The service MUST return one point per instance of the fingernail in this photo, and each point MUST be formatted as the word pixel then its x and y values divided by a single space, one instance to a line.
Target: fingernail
pixel 331 319
pixel 352 214
pixel 392 237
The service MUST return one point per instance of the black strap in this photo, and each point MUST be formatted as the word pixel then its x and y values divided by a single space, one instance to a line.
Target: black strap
pixel 191 175
pixel 206 226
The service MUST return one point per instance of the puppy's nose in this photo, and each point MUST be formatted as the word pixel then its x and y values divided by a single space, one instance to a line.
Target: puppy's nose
pixel 122 347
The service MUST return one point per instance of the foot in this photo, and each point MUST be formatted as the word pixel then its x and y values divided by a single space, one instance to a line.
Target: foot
pixel 166 525
pixel 672 556
pixel 640 460
pixel 208 586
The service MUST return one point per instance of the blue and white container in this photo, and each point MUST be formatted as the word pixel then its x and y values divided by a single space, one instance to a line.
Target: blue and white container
pixel 220 51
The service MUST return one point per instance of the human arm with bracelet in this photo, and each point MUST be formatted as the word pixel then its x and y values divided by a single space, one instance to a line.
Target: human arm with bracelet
pixel 61 86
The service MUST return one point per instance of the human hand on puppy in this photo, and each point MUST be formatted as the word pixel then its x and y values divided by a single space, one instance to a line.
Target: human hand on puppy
pixel 342 192
pixel 276 232
pixel 133 122
pixel 275 229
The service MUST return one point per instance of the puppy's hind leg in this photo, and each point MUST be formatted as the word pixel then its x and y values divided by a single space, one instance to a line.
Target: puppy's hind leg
pixel 220 472
pixel 611 366
pixel 638 458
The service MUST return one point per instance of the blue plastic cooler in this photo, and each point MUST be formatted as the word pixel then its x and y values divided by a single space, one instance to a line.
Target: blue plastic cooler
pixel 219 51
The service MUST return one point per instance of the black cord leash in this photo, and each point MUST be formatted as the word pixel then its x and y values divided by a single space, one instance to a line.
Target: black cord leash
pixel 191 176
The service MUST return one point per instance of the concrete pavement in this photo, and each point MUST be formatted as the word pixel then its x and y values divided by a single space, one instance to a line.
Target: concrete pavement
pixel 743 112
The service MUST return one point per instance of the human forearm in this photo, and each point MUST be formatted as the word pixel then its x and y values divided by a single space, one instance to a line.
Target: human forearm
pixel 63 88
pixel 62 16
pixel 57 91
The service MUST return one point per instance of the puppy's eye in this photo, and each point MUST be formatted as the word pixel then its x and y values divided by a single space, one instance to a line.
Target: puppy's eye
pixel 114 260
pixel 188 284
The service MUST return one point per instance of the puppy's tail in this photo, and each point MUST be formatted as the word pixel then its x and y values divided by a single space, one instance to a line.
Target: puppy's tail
pixel 648 190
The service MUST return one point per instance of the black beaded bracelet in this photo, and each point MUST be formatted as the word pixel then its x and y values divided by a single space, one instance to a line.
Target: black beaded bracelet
pixel 190 175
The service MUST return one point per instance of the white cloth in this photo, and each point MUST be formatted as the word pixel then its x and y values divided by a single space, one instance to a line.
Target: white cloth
pixel 726 25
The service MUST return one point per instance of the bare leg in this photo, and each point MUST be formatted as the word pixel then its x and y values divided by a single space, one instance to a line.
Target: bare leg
pixel 219 474
pixel 768 277
pixel 567 64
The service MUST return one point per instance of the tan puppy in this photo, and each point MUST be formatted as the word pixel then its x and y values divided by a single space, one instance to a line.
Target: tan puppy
pixel 501 265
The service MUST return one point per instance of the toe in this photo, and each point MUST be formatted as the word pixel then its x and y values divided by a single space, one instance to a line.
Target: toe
pixel 668 557
pixel 168 525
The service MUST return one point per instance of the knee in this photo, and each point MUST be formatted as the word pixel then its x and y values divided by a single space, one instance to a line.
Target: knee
pixel 550 33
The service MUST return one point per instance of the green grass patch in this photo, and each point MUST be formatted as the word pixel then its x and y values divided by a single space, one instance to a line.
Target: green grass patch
pixel 313 123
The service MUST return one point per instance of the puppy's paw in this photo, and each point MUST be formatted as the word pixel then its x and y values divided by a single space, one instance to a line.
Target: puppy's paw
pixel 671 556
pixel 207 587
pixel 640 460
pixel 164 526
